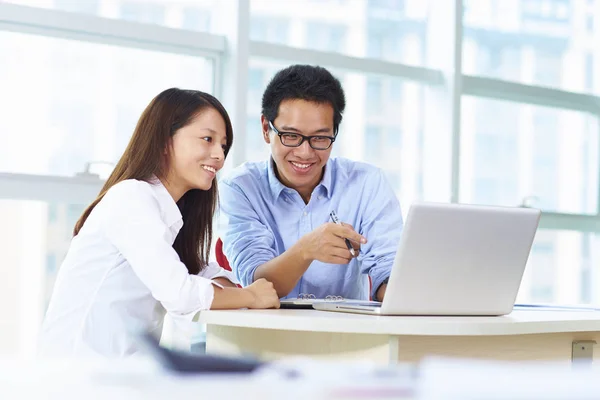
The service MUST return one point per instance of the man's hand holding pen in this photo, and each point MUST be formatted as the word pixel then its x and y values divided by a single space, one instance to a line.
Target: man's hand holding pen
pixel 327 243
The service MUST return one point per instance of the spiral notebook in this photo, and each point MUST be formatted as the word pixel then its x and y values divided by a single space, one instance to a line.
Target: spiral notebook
pixel 306 301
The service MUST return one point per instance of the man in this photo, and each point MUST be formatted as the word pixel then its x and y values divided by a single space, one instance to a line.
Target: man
pixel 276 213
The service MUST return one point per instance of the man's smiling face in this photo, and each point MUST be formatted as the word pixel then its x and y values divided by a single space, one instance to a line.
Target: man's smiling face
pixel 300 168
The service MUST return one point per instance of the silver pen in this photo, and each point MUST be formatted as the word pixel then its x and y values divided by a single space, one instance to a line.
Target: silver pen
pixel 336 220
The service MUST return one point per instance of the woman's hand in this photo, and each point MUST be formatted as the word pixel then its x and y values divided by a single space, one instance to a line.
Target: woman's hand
pixel 263 294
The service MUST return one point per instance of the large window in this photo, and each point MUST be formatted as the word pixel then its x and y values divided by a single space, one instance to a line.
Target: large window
pixel 504 114
pixel 561 268
pixel 259 74
pixel 193 15
pixel 35 237
pixel 541 42
pixel 388 30
pixel 514 152
pixel 75 102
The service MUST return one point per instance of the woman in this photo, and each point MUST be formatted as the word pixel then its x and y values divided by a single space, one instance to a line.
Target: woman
pixel 141 249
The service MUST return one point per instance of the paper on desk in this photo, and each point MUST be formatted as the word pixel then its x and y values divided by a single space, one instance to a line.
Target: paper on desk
pixel 552 307
pixel 448 379
pixel 354 380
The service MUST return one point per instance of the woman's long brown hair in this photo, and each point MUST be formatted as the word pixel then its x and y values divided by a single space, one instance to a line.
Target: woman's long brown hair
pixel 145 158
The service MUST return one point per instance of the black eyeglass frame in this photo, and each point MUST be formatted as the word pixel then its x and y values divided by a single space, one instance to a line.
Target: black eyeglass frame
pixel 304 138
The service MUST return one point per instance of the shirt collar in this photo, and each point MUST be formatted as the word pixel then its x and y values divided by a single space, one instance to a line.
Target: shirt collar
pixel 274 183
pixel 169 210
pixel 327 178
pixel 277 187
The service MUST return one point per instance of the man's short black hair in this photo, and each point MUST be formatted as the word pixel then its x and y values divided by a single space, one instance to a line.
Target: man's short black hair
pixel 304 82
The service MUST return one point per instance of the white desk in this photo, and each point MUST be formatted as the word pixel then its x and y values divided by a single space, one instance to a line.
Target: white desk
pixel 522 335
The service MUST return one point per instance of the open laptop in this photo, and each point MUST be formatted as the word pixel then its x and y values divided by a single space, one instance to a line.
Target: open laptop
pixel 455 259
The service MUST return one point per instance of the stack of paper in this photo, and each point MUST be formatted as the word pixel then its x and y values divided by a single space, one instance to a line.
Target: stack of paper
pixel 482 380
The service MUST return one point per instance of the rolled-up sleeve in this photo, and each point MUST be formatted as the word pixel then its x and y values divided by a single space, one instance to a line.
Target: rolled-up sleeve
pixel 214 270
pixel 247 242
pixel 134 226
pixel 382 226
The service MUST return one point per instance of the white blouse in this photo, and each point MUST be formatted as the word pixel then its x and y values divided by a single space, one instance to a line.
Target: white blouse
pixel 121 276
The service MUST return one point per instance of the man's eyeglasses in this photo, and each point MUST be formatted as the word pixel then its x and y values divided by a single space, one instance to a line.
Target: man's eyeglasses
pixel 290 139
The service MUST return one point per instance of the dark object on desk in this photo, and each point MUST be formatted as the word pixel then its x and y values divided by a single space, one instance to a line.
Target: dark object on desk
pixel 298 304
pixel 188 363
pixel 311 304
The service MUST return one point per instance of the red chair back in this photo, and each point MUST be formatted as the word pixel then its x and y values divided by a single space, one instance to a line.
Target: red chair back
pixel 221 259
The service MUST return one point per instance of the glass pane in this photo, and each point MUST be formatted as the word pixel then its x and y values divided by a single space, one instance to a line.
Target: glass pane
pixel 382 125
pixel 259 75
pixel 513 154
pixel 35 237
pixel 561 269
pixel 193 15
pixel 74 102
pixel 392 30
pixel 543 42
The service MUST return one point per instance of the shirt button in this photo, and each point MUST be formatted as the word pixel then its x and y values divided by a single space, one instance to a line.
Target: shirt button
pixel 305 213
pixel 319 197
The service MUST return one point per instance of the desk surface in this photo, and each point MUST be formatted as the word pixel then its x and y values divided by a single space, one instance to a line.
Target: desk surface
pixel 516 323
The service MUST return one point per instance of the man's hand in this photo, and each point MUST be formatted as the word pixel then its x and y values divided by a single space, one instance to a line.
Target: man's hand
pixel 381 292
pixel 327 244
pixel 355 245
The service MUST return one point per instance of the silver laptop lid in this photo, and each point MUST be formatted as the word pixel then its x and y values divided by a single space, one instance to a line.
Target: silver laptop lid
pixel 457 259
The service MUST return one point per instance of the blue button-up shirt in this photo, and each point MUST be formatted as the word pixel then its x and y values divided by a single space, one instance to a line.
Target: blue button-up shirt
pixel 261 218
